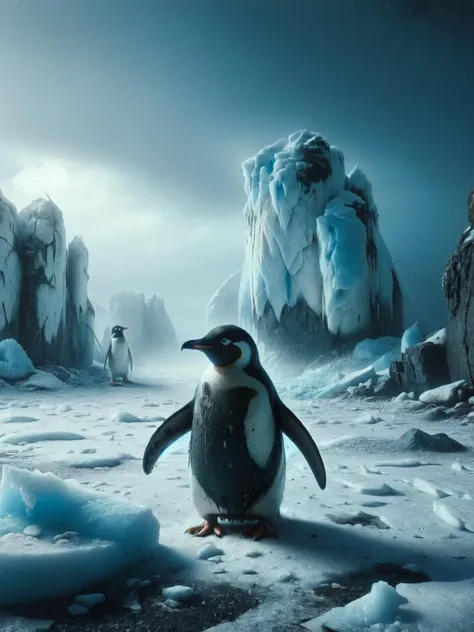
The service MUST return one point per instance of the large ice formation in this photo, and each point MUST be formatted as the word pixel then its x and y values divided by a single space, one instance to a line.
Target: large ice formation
pixel 43 297
pixel 223 308
pixel 10 270
pixel 43 292
pixel 151 332
pixel 317 272
pixel 80 311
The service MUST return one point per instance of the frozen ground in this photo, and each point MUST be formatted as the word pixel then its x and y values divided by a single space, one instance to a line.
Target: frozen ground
pixel 384 504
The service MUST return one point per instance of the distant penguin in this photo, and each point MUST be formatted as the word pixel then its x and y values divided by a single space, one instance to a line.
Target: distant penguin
pixel 119 356
pixel 236 452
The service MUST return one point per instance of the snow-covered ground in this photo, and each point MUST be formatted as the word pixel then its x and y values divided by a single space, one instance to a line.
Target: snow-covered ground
pixel 384 502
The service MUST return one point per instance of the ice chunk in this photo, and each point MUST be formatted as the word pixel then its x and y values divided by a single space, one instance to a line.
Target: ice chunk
pixel 354 379
pixel 381 605
pixel 178 593
pixel 17 419
pixel 430 487
pixel 76 610
pixel 411 337
pixel 446 395
pixel 37 437
pixel 370 349
pixel 14 362
pixel 369 419
pixel 400 463
pixel 112 535
pixel 372 490
pixel 456 512
pixel 127 418
pixel 209 550
pixel 438 338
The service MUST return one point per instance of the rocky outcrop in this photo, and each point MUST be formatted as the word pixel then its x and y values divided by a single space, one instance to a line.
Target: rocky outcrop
pixel 458 287
pixel 151 333
pixel 421 368
pixel 10 271
pixel 317 274
pixel 43 298
pixel 223 308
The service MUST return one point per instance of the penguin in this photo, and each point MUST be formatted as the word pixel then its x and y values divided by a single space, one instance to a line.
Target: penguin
pixel 119 356
pixel 236 451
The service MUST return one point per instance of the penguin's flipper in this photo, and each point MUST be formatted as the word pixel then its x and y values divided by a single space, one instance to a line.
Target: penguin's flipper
pixel 171 430
pixel 107 356
pixel 130 360
pixel 292 427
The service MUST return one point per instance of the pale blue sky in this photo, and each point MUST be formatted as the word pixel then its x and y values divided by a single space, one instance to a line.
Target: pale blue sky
pixel 135 117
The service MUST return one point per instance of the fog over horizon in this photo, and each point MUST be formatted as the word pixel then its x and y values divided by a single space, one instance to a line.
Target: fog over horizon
pixel 135 119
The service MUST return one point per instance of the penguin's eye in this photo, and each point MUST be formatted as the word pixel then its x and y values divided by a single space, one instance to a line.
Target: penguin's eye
pixel 225 342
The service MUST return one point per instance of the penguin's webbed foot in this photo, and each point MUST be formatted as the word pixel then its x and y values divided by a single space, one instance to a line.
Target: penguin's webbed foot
pixel 208 527
pixel 259 531
pixel 113 383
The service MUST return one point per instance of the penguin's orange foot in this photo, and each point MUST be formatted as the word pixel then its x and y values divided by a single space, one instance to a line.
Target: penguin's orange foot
pixel 206 528
pixel 259 531
pixel 113 383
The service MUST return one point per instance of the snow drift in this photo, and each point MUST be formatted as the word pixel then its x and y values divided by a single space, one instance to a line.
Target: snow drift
pixel 317 273
pixel 58 539
pixel 43 284
pixel 151 332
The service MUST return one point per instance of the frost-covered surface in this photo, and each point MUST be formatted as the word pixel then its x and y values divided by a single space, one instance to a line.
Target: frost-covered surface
pixel 10 270
pixel 83 536
pixel 323 534
pixel 438 338
pixel 315 265
pixel 151 332
pixel 445 395
pixel 80 310
pixel 44 259
pixel 14 362
pixel 223 308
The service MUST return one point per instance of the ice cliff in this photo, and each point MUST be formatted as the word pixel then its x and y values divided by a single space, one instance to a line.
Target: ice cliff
pixel 151 332
pixel 317 273
pixel 44 303
pixel 223 307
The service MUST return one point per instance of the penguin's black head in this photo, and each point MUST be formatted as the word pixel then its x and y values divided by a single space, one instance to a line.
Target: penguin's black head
pixel 117 331
pixel 226 346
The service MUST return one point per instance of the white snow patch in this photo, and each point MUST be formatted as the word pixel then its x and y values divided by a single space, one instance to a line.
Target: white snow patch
pixel 444 395
pixel 438 338
pixel 430 487
pixel 43 381
pixel 37 437
pixel 127 418
pixel 17 419
pixel 110 536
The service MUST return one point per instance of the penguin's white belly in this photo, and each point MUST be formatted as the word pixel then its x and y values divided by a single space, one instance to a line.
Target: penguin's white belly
pixel 119 361
pixel 259 435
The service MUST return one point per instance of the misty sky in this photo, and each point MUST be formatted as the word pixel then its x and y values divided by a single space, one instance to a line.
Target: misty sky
pixel 136 116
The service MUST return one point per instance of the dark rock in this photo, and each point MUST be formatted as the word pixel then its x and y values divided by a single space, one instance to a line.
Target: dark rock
pixel 421 368
pixel 458 287
pixel 386 386
pixel 416 439
pixel 470 212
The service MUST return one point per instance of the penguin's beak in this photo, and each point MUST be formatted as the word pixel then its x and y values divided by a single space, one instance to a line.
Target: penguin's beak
pixel 195 344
